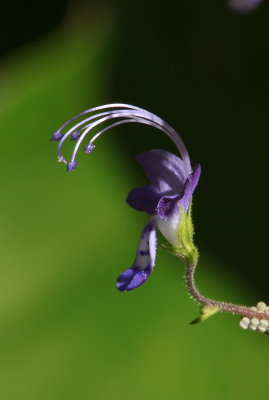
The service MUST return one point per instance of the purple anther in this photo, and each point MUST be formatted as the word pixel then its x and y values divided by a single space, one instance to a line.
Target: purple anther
pixel 75 135
pixel 56 137
pixel 71 166
pixel 89 148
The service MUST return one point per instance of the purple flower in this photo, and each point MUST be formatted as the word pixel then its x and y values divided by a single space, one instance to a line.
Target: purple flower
pixel 172 182
pixel 243 6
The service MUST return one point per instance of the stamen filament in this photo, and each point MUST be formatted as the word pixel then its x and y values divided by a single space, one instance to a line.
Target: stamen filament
pixel 124 121
pixel 103 107
pixel 137 120
pixel 91 146
pixel 131 114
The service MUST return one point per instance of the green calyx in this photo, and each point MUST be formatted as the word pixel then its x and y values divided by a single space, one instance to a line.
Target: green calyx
pixel 186 249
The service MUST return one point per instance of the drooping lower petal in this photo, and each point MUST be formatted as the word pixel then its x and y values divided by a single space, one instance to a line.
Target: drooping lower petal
pixel 144 261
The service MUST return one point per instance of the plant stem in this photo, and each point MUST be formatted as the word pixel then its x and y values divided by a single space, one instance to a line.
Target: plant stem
pixel 222 306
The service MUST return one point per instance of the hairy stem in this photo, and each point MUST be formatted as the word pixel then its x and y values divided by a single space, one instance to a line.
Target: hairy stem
pixel 222 306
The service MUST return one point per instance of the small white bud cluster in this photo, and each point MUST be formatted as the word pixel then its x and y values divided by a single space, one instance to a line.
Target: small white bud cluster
pixel 262 325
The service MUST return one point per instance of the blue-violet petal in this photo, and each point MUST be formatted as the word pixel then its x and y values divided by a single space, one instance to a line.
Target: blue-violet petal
pixel 144 261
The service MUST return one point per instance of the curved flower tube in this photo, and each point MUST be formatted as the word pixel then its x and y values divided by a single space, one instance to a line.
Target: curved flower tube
pixel 172 181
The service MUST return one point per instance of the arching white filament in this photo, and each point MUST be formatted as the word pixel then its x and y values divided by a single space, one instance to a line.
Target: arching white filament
pixel 130 114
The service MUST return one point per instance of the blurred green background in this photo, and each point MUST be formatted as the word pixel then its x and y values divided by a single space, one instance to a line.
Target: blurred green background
pixel 66 333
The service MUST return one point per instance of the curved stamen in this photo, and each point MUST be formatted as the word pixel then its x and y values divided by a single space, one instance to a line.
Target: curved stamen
pixel 76 134
pixel 145 118
pixel 131 114
pixel 71 165
pixel 137 120
pixel 91 146
pixel 81 125
pixel 90 110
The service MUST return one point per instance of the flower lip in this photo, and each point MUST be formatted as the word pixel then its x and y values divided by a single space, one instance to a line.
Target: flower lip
pixel 131 278
pixel 144 262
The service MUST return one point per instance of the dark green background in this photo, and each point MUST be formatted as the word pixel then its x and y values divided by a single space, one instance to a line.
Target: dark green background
pixel 66 333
